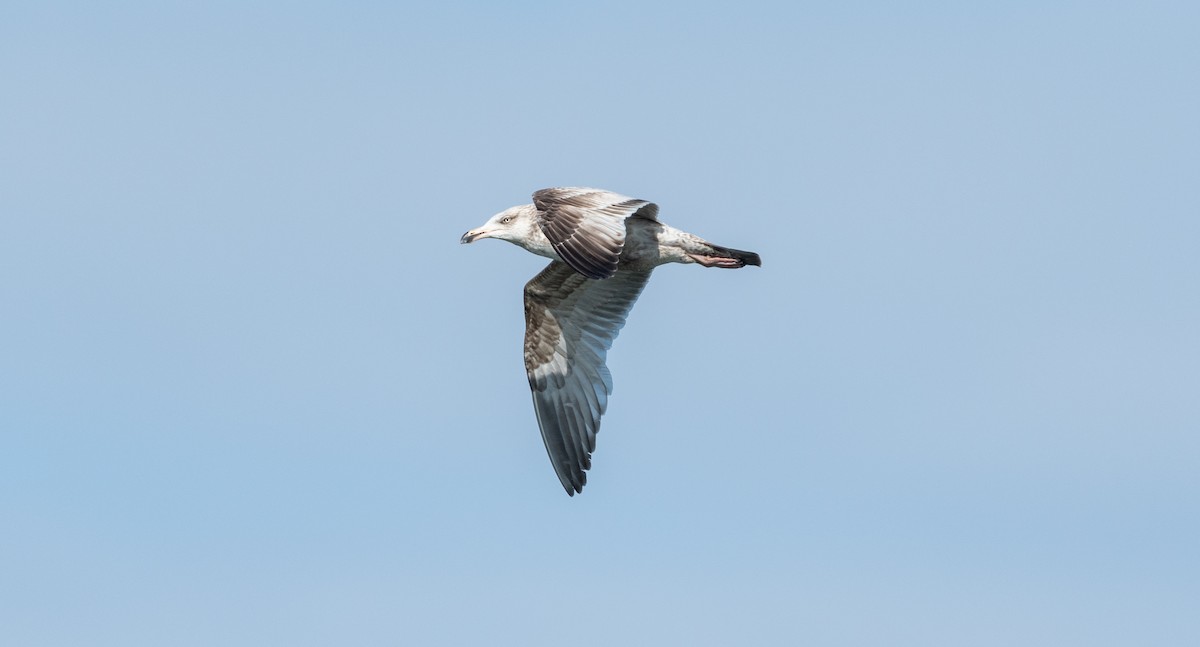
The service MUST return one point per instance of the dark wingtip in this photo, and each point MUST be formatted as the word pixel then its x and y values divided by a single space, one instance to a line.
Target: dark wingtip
pixel 574 488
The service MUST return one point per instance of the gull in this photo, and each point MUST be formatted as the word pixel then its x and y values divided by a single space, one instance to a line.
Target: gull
pixel 603 247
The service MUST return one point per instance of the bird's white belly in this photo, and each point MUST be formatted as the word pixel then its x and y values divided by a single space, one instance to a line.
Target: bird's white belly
pixel 649 243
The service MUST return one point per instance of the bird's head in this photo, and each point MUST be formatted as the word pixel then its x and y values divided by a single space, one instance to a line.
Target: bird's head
pixel 513 224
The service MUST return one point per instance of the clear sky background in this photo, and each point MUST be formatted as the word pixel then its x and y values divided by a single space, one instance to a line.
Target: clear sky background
pixel 254 392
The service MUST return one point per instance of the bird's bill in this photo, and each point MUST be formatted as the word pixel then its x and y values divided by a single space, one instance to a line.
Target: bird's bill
pixel 474 235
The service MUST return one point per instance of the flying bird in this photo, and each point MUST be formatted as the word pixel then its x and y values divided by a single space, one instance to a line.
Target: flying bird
pixel 603 247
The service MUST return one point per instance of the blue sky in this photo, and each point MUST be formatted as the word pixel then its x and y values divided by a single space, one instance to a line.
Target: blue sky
pixel 254 392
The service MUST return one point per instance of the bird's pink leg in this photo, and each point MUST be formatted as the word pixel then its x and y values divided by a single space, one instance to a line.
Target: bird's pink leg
pixel 717 261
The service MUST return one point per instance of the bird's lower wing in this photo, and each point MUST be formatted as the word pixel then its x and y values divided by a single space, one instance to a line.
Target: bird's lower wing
pixel 570 323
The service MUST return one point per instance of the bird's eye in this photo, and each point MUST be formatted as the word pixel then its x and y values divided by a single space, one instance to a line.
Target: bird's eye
pixel 505 220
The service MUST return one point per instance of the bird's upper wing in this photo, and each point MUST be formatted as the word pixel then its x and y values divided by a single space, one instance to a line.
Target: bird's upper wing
pixel 570 323
pixel 587 226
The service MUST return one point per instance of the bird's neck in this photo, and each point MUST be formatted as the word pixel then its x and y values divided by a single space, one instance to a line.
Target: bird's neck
pixel 537 243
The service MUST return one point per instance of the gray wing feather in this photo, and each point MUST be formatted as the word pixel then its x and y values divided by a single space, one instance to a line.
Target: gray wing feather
pixel 570 323
pixel 587 226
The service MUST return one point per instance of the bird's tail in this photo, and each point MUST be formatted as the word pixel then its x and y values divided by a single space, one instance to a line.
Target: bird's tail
pixel 717 256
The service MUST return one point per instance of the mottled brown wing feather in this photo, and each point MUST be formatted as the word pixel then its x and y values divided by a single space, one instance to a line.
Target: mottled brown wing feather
pixel 570 323
pixel 587 226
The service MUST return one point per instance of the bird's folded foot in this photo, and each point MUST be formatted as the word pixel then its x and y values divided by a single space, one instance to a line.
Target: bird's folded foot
pixel 718 261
